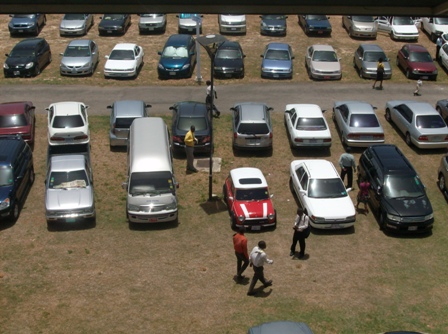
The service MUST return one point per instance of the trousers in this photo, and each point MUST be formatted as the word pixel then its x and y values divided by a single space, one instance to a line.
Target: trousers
pixel 258 275
pixel 241 263
pixel 298 236
pixel 349 172
pixel 190 157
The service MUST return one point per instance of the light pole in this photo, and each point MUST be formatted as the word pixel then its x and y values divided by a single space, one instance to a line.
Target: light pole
pixel 211 43
pixel 198 21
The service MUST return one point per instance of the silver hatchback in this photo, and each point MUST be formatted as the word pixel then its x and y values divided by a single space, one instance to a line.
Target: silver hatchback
pixel 79 58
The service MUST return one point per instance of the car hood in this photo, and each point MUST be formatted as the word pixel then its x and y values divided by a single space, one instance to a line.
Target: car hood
pixel 21 21
pixel 153 201
pixel 75 61
pixel 326 66
pixel 372 66
pixel 253 209
pixel 220 62
pixel 413 207
pixel 277 64
pixel 72 24
pixel 17 61
pixel 111 23
pixel 318 23
pixel 174 62
pixel 364 25
pixel 423 66
pixel 331 208
pixel 119 64
pixel 410 29
pixel 62 199
pixel 5 192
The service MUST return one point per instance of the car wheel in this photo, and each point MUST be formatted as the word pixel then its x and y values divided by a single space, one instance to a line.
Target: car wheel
pixel 36 32
pixel 360 73
pixel 50 58
pixel 381 221
pixel 291 143
pixel 441 182
pixel 309 73
pixel 350 32
pixel 233 222
pixel 37 70
pixel 31 178
pixel 14 214
pixel 408 139
pixel 408 74
pixel 388 118
pixel 343 141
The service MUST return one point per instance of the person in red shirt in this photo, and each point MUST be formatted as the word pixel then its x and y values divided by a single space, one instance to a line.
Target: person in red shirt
pixel 242 257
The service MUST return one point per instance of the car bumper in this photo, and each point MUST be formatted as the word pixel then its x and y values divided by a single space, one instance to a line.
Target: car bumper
pixel 429 145
pixel 312 143
pixel 276 75
pixel 272 31
pixel 75 71
pixel 151 28
pixel 253 146
pixel 319 31
pixel 72 32
pixel 228 73
pixel 326 76
pixel 421 227
pixel 114 141
pixel 22 30
pixel 333 224
pixel 405 37
pixel 256 225
pixel 19 72
pixel 139 217
pixel 364 34
pixel 372 74
pixel 119 74
pixel 233 29
pixel 363 143
pixel 68 217
pixel 111 31
pixel 173 74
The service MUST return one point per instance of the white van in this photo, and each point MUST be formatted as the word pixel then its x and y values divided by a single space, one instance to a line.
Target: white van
pixel 150 184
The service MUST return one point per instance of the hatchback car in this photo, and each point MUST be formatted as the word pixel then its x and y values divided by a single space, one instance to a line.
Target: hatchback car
pixel 18 118
pixel 27 58
pixel 360 26
pixel 113 24
pixel 252 126
pixel 149 23
pixel 122 114
pixel 178 58
pixel 397 194
pixel 124 61
pixel 246 194
pixel 274 24
pixel 419 122
pixel 21 24
pixel 187 23
pixel 277 61
pixel 357 123
pixel 322 62
pixel 306 126
pixel 322 194
pixel 68 123
pixel 232 23
pixel 184 115
pixel 442 174
pixel 442 109
pixel 79 58
pixel 434 26
pixel 366 59
pixel 75 24
pixel 229 61
pixel 315 24
pixel 416 62
pixel 398 27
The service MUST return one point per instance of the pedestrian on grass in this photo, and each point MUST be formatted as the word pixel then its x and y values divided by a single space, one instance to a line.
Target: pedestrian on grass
pixel 189 141
pixel 348 164
pixel 257 260
pixel 379 73
pixel 363 194
pixel 301 231
pixel 242 257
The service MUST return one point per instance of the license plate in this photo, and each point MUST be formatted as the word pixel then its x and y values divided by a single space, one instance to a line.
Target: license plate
pixel 275 75
pixel 425 77
pixel 335 226
pixel 233 29
pixel 190 29
pixel 150 28
pixel 70 220
pixel 412 228
pixel 172 73
pixel 320 32
pixel 74 70
pixel 255 228
pixel 327 77
pixel 153 220
pixel 20 30
pixel 436 138
pixel 109 31
pixel 366 137
pixel 16 72
pixel 312 141
pixel 254 141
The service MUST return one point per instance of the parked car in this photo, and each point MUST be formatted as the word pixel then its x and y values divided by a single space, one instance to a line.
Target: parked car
pixel 149 23
pixel 434 26
pixel 246 194
pixel 443 55
pixel 184 115
pixel 232 23
pixel 442 109
pixel 124 61
pixel 18 118
pixel 75 24
pixel 443 175
pixel 79 58
pixel 366 59
pixel 229 61
pixel 360 26
pixel 68 123
pixel 419 122
pixel 27 58
pixel 22 24
pixel 178 58
pixel 273 24
pixel 397 194
pixel 322 194
pixel 16 175
pixel 122 114
pixel 398 27
pixel 187 23
pixel 280 327
pixel 357 123
pixel 277 61
pixel 315 24
pixel 113 24
pixel 252 126
pixel 322 62
pixel 306 126
pixel 416 62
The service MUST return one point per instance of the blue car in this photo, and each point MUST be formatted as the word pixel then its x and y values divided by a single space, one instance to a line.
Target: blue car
pixel 22 24
pixel 315 24
pixel 178 58
pixel 277 61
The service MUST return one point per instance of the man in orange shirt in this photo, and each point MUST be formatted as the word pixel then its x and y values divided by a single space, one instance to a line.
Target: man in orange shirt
pixel 242 257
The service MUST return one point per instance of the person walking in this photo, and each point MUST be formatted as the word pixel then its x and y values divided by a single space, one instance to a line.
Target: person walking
pixel 208 100
pixel 189 141
pixel 257 260
pixel 242 257
pixel 379 73
pixel 439 43
pixel 348 164
pixel 363 194
pixel 417 88
pixel 301 231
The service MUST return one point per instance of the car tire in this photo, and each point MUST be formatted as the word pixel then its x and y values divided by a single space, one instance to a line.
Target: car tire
pixel 381 221
pixel 433 37
pixel 387 115
pixel 15 210
pixel 309 72
pixel 37 71
pixel 350 32
pixel 408 139
pixel 441 182
pixel 408 74
pixel 360 73
pixel 32 176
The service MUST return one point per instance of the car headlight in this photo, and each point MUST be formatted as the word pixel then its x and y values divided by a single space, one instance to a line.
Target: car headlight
pixel 265 69
pixel 5 66
pixel 430 216
pixel 318 219
pixel 263 25
pixel 241 218
pixel 415 71
pixel 171 206
pixel 311 27
pixel 5 204
pixel 132 207
pixel 271 216
pixel 29 65
pixel 160 66
pixel 217 68
pixel 393 217
pixel 185 66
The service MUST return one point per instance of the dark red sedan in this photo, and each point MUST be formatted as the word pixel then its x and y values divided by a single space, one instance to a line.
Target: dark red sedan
pixel 416 62
pixel 17 118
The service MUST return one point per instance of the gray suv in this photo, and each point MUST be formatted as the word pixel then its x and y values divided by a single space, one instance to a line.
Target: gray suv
pixel 366 61
pixel 252 126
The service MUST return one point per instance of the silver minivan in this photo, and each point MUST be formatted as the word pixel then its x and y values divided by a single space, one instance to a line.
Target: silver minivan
pixel 150 185
pixel 232 24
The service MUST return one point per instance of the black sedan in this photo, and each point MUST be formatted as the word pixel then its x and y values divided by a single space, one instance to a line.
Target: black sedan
pixel 27 58
pixel 229 61
pixel 186 114
pixel 114 24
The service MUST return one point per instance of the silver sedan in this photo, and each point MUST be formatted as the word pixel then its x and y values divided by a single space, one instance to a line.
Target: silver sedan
pixel 75 24
pixel 322 62
pixel 80 58
pixel 442 108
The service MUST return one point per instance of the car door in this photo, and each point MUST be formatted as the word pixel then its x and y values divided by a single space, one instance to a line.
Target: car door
pixel 403 58
pixel 94 52
pixel 308 57
pixel 302 194
pixel 290 119
pixel 192 52
pixel 444 55
pixel 403 119
pixel 384 23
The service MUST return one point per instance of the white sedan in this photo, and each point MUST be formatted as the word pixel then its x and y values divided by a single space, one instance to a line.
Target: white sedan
pixel 322 194
pixel 322 63
pixel 306 126
pixel 124 61
pixel 68 123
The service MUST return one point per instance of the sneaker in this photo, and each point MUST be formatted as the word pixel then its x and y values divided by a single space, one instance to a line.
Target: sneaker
pixel 268 283
pixel 292 253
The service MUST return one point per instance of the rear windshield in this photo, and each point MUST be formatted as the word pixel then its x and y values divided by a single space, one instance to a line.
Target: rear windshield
pixel 253 128
pixel 73 121
pixel 151 183
pixel 255 194
pixel 11 121
pixel 364 121
pixel 185 123
pixel 312 123
pixel 430 122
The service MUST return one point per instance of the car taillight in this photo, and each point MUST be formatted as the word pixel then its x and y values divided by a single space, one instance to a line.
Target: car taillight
pixel 270 134
pixel 178 139
pixel 81 137
pixel 54 138
pixel 298 140
pixel 113 128
pixel 26 136
pixel 423 138
pixel 205 139
pixel 327 140
pixel 235 135
pixel 353 136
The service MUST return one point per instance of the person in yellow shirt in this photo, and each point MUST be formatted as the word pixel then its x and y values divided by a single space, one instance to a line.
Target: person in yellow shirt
pixel 189 141
pixel 379 73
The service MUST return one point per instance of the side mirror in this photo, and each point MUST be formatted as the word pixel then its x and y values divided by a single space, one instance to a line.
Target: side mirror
pixel 271 196
pixel 61 53
pixel 124 185
pixel 379 190
pixel 349 189
pixel 230 198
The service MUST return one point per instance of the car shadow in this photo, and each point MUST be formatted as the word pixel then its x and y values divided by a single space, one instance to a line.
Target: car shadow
pixel 311 152
pixel 64 227
pixel 250 154
pixel 154 227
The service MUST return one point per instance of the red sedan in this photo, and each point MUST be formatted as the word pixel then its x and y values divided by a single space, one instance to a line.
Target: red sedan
pixel 17 118
pixel 416 62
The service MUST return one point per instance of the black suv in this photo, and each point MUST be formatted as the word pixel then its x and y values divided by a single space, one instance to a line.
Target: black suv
pixel 16 175
pixel 397 194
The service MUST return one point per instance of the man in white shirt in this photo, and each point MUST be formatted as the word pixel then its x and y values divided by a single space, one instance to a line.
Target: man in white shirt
pixel 257 260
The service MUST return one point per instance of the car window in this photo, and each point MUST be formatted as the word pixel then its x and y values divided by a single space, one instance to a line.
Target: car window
pixel 429 122
pixel 304 181
pixel 6 177
pixel 253 128
pixel 10 121
pixel 122 55
pixel 255 194
pixel 405 112
pixel 277 55
pixel 293 119
pixel 74 17
pixel 114 17
pixel 175 52
pixel 402 21
pixel 364 121
pixel 325 56
pixel 374 56
pixel 363 18
pixel 185 123
pixel 311 123
pixel 136 50
pixel 71 121
pixel 83 112
pixel 327 188
pixel 344 112
pixel 421 57
pixel 315 17
pixel 77 51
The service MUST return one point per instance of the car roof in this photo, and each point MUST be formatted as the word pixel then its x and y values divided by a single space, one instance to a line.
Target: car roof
pixel 125 46
pixel 278 46
pixel 392 159
pixel 306 110
pixel 9 147
pixel 416 47
pixel 178 39
pixel 63 163
pixel 191 108
pixel 80 42
pixel 126 108
pixel 360 107
pixel 372 47
pixel 319 168
pixel 9 108
pixel 66 108
pixel 252 110
pixel 29 43
pixel 248 178
pixel 322 47
pixel 421 108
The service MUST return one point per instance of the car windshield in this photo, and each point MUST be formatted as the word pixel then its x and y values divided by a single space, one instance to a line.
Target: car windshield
pixel 429 122
pixel 122 55
pixel 363 18
pixel 328 56
pixel 6 177
pixel 113 17
pixel 22 53
pixel 74 17
pixel 401 187
pixel 374 56
pixel 29 16
pixel 185 123
pixel 68 180
pixel 228 54
pixel 326 188
pixel 420 57
pixel 151 183
pixel 316 17
pixel 311 124
pixel 274 17
pixel 11 121
pixel 253 128
pixel 151 15
pixel 441 20
pixel 253 194
pixel 187 15
pixel 68 122
pixel 277 55
pixel 123 122
pixel 175 52
pixel 77 51
pixel 402 21
pixel 364 121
